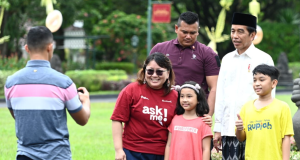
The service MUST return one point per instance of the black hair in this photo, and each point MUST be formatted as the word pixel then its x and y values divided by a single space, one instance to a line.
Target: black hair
pixel 201 108
pixel 270 71
pixel 251 30
pixel 188 17
pixel 164 62
pixel 38 38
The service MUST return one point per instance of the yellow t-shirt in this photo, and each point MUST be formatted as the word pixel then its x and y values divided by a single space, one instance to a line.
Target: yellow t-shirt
pixel 265 129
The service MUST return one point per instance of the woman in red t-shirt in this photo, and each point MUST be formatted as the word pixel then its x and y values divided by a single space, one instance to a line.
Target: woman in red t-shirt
pixel 146 107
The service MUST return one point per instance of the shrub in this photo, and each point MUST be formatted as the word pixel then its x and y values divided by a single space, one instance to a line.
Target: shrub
pixel 295 154
pixel 128 67
pixel 295 67
pixel 115 85
pixel 12 63
pixel 93 79
pixel 216 156
pixel 3 77
pixel 69 66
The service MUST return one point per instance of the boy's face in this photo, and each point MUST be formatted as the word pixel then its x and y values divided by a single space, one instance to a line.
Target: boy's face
pixel 262 84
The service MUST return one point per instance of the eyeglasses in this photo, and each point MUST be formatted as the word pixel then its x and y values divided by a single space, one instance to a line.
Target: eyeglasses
pixel 158 72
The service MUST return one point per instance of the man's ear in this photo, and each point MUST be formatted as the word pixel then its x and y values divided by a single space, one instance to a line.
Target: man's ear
pixel 252 35
pixel 274 83
pixel 26 48
pixel 50 47
pixel 176 28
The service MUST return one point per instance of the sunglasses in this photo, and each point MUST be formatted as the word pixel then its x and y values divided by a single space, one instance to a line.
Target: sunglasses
pixel 158 72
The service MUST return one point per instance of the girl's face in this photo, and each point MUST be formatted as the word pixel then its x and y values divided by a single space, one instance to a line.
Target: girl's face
pixel 155 75
pixel 188 99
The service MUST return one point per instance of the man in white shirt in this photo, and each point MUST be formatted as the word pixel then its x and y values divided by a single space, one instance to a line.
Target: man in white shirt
pixel 234 87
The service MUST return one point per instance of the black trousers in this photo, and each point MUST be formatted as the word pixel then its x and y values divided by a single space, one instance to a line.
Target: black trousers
pixel 21 157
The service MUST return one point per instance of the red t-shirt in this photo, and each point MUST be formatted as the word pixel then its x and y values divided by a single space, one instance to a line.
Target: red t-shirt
pixel 187 136
pixel 147 115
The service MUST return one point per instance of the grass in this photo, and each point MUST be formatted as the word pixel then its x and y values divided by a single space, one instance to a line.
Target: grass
pixel 90 142
pixel 104 92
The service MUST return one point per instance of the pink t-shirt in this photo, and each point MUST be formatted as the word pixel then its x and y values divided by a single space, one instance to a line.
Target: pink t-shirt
pixel 147 115
pixel 187 136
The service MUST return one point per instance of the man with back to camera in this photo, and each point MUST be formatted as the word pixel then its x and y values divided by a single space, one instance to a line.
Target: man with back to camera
pixel 192 60
pixel 235 84
pixel 37 97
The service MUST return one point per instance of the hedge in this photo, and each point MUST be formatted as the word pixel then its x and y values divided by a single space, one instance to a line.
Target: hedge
pixel 94 80
pixel 295 67
pixel 3 77
pixel 126 66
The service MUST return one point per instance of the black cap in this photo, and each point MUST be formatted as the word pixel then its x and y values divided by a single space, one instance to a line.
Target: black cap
pixel 244 19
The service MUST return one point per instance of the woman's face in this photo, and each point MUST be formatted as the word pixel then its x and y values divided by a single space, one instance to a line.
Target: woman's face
pixel 155 75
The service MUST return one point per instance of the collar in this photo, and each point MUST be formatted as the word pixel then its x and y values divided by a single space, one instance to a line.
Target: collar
pixel 176 42
pixel 38 63
pixel 249 52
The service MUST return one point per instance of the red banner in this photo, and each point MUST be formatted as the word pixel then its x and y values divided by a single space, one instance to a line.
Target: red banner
pixel 161 13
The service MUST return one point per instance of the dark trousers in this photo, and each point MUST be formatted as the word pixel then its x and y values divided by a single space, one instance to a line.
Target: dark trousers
pixel 22 157
pixel 131 155
pixel 232 149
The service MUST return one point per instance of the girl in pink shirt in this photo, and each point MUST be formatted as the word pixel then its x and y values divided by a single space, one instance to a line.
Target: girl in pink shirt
pixel 189 137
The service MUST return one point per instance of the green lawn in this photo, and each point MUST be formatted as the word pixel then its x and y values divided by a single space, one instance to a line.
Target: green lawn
pixel 90 142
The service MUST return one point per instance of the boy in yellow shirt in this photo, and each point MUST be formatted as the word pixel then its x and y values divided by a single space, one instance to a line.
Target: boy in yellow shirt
pixel 265 123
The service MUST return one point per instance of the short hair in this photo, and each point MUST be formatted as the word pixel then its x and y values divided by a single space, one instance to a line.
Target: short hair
pixel 38 38
pixel 201 108
pixel 162 61
pixel 251 30
pixel 188 17
pixel 270 71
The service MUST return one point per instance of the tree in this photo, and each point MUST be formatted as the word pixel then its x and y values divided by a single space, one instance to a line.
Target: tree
pixel 121 27
pixel 23 13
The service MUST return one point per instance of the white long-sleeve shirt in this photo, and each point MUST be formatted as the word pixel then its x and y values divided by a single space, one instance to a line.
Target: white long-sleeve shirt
pixel 235 87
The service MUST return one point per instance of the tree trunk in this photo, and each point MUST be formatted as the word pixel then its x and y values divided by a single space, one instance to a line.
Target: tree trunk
pixel 60 43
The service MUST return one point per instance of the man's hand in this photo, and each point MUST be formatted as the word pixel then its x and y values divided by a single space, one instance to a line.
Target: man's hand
pixel 217 141
pixel 84 95
pixel 120 155
pixel 239 123
pixel 207 119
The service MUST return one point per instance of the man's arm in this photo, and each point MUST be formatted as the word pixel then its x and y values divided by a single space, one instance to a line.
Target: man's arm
pixel 286 146
pixel 219 108
pixel 81 117
pixel 212 85
pixel 12 113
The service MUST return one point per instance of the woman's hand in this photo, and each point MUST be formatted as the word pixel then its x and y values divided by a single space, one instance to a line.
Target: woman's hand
pixel 207 119
pixel 120 155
